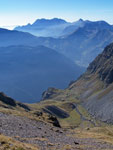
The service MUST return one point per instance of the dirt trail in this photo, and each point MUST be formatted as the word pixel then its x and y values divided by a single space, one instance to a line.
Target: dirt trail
pixel 82 117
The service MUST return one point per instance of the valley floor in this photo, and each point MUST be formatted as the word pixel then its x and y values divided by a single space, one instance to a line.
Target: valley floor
pixel 31 134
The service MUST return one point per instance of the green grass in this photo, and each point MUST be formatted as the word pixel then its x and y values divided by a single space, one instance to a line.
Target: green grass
pixel 72 121
pixel 84 112
pixel 7 143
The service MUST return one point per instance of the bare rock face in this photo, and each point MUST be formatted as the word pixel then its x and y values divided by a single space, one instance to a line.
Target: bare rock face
pixel 94 89
pixel 54 121
pixel 97 93
pixel 49 117
pixel 103 65
pixel 49 93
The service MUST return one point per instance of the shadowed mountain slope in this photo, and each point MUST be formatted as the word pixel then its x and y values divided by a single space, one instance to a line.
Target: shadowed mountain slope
pixel 94 89
pixel 96 86
pixel 88 39
pixel 27 71
pixel 8 38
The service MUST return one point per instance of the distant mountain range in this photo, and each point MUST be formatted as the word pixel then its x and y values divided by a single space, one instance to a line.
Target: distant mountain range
pixel 57 27
pixel 29 65
pixel 80 43
pixel 8 38
pixel 83 45
pixel 25 72
pixel 45 27
pixel 79 40
pixel 51 27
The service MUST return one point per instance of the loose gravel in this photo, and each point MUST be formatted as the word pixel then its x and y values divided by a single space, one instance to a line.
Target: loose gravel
pixel 45 135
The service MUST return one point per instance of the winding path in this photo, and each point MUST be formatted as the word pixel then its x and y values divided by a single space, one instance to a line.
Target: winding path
pixel 82 117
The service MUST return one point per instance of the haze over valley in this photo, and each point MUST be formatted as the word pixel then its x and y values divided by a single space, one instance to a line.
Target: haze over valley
pixel 25 78
pixel 56 75
pixel 27 71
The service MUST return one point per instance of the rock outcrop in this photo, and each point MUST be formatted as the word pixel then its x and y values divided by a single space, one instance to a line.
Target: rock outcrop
pixel 10 103
pixel 50 93
pixel 103 65
pixel 94 89
pixel 7 100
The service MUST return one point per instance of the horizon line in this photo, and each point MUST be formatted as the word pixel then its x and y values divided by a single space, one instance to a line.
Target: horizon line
pixel 11 27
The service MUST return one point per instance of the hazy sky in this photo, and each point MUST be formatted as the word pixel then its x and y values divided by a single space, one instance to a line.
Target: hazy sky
pixel 19 12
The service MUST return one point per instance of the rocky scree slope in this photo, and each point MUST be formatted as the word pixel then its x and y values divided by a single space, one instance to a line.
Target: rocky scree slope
pixel 21 130
pixel 103 65
pixel 94 89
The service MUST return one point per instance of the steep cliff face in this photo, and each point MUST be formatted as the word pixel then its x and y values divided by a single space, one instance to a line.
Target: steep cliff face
pixel 103 65
pixel 94 89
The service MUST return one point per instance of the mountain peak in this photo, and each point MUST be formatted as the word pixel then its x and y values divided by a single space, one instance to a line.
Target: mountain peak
pixel 54 21
pixel 81 20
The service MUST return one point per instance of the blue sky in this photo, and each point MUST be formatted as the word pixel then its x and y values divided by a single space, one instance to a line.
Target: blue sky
pixel 19 12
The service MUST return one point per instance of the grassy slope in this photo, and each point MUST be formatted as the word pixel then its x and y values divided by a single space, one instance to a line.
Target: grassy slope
pixel 7 143
pixel 74 119
pixel 85 129
pixel 104 133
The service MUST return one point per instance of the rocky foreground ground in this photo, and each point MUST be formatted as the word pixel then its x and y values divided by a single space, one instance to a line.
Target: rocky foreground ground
pixel 45 136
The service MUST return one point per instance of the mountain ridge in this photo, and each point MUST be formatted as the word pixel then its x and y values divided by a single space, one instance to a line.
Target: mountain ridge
pixel 89 39
pixel 45 27
pixel 49 21
pixel 94 89
pixel 26 71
